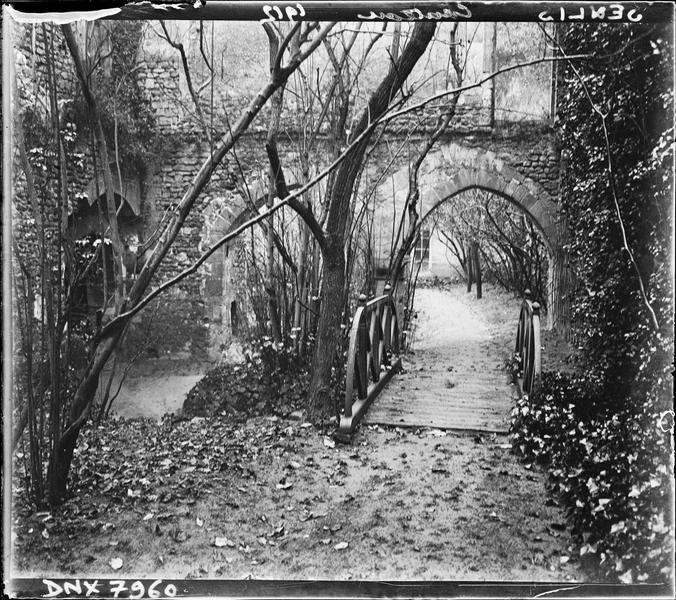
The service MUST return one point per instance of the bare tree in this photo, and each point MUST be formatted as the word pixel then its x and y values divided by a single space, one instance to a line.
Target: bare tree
pixel 332 236
pixel 111 332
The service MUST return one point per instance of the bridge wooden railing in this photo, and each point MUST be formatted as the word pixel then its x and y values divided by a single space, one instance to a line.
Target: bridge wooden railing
pixel 528 349
pixel 372 357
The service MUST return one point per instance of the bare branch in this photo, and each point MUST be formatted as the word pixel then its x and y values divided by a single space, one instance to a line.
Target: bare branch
pixel 207 62
pixel 304 211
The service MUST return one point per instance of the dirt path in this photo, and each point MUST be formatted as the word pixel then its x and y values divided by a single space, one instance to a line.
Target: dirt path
pixel 273 500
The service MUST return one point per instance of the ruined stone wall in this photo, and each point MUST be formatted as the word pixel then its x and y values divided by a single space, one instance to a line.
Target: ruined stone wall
pixel 187 308
pixel 529 150
pixel 159 78
pixel 162 79
pixel 197 316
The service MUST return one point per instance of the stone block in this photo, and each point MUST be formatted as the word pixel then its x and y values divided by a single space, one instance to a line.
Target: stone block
pixel 523 197
pixel 465 179
pixel 490 156
pixel 449 151
pixel 496 182
pixel 508 172
pixel 512 187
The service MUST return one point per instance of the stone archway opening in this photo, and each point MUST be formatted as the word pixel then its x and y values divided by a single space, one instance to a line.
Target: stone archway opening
pixel 479 236
pixel 459 354
pixel 454 169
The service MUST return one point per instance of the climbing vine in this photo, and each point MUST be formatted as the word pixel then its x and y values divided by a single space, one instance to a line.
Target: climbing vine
pixel 630 85
pixel 606 436
pixel 127 116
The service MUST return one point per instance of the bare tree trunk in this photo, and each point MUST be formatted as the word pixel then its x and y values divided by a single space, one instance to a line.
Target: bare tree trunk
pixel 328 331
pixel 54 307
pixel 301 280
pixel 470 268
pixel 60 460
pixel 477 268
pixel 270 286
pixel 102 151
pixel 275 115
pixel 340 194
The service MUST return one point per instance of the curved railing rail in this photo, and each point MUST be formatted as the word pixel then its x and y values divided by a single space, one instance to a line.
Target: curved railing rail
pixel 528 345
pixel 372 357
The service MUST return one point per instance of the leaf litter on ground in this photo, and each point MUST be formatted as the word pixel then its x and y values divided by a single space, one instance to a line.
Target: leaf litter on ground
pixel 130 455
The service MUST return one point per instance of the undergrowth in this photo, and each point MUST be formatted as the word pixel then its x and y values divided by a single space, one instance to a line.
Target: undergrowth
pixel 273 380
pixel 613 471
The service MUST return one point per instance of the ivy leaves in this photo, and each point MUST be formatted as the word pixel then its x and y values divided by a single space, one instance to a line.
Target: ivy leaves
pixel 609 468
pixel 626 463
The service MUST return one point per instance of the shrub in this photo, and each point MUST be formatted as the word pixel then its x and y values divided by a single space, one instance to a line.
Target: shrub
pixel 612 470
pixel 273 381
pixel 601 434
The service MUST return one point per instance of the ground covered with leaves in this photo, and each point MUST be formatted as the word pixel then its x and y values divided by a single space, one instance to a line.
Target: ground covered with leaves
pixel 272 381
pixel 277 498
pixel 239 485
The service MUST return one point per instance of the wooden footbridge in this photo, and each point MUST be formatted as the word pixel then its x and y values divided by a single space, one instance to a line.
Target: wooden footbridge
pixel 453 380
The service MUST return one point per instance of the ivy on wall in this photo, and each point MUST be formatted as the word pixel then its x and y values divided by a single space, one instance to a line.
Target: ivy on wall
pixel 128 119
pixel 629 80
pixel 606 434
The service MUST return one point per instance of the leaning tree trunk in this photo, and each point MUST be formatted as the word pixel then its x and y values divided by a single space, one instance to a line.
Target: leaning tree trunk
pixel 340 194
pixel 109 336
pixel 470 267
pixel 328 331
pixel 62 456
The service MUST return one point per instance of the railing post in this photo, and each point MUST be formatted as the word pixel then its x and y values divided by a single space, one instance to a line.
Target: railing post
pixel 369 341
pixel 537 350
pixel 392 321
pixel 374 342
pixel 528 345
pixel 362 352
pixel 525 332
pixel 390 316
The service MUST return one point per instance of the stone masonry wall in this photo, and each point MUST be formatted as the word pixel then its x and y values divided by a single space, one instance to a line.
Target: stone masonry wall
pixel 529 149
pixel 196 315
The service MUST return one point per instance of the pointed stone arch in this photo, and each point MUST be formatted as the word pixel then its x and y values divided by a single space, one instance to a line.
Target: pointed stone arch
pixel 477 168
pixel 473 168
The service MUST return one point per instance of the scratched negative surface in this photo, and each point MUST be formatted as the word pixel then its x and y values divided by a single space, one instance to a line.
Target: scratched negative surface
pixel 453 379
